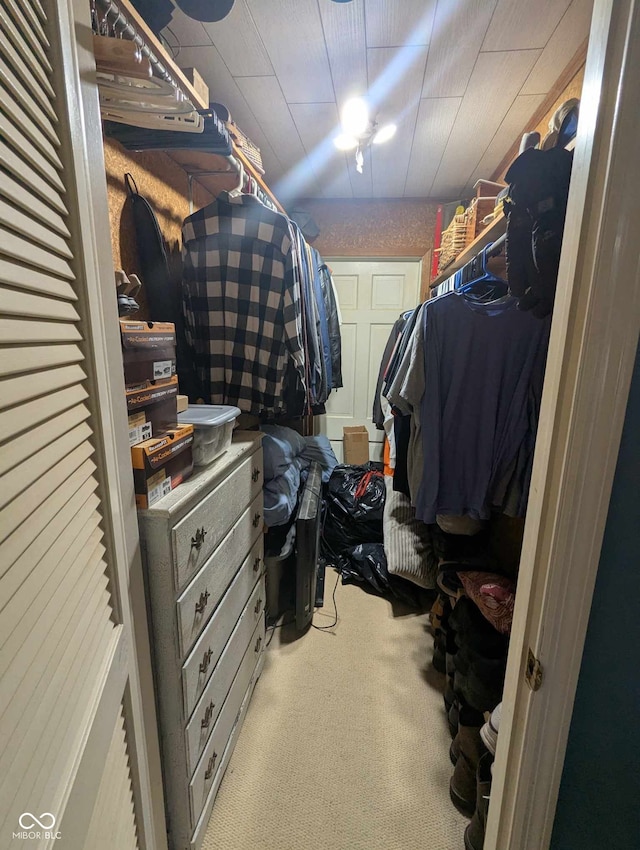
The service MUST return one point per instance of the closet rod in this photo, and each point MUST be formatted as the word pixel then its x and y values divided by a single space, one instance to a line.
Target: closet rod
pixel 233 162
pixel 262 195
pixel 129 30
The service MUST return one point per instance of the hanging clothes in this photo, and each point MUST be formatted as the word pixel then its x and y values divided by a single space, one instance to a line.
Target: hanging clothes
pixel 242 300
pixel 484 370
pixel 333 320
pixel 260 311
pixel 377 414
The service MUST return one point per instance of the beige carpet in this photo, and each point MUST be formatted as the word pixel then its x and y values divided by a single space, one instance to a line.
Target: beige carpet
pixel 345 745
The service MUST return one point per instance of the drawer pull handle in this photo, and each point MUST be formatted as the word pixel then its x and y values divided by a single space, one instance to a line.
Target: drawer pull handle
pixel 210 767
pixel 256 519
pixel 255 474
pixel 198 540
pixel 258 645
pixel 206 660
pixel 256 564
pixel 201 604
pixel 206 720
pixel 258 606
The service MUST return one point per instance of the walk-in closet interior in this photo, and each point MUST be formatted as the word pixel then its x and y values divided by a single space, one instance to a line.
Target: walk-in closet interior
pixel 280 282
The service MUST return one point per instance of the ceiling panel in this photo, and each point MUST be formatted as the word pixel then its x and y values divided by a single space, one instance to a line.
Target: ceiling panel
pixel 496 80
pixel 239 43
pixel 292 34
pixel 565 41
pixel 224 89
pixel 461 78
pixel 267 103
pixel 394 24
pixel 516 119
pixel 344 32
pixel 436 117
pixel 463 25
pixel 523 24
pixel 317 123
pixel 187 32
pixel 404 68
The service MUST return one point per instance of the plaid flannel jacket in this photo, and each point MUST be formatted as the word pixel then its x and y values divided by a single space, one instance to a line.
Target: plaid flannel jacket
pixel 241 303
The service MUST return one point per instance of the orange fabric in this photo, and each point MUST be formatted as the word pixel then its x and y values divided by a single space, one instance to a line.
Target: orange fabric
pixel 387 458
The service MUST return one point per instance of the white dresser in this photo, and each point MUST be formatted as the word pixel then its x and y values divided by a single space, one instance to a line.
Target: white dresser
pixel 203 554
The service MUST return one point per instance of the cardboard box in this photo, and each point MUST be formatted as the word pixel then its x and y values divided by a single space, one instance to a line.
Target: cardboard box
pixel 139 429
pixel 157 402
pixel 196 80
pixel 355 445
pixel 160 464
pixel 148 351
pixel 183 403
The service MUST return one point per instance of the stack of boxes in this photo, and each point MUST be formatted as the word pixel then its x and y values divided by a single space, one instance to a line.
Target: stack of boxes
pixel 161 449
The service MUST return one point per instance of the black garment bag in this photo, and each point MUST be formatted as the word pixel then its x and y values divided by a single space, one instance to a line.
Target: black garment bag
pixel 162 295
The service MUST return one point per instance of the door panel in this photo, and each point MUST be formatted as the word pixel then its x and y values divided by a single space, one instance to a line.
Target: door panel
pixel 68 674
pixel 372 295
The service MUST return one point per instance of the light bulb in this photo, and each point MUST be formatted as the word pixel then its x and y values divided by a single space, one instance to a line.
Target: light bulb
pixel 345 142
pixel 355 117
pixel 384 134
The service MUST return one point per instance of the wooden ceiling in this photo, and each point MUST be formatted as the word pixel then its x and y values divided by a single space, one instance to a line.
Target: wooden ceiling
pixel 461 78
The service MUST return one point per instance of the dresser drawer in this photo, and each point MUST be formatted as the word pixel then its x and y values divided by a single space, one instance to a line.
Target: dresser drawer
pixel 197 838
pixel 194 538
pixel 206 771
pixel 202 596
pixel 235 600
pixel 205 662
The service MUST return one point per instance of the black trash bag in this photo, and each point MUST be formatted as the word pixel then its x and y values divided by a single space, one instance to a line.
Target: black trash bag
pixel 354 505
pixel 367 564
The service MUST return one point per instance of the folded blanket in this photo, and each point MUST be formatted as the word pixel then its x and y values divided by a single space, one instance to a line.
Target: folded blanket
pixel 280 447
pixel 281 494
pixel 319 449
pixel 407 541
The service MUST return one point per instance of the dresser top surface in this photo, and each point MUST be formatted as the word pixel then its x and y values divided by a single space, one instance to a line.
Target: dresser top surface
pixel 204 479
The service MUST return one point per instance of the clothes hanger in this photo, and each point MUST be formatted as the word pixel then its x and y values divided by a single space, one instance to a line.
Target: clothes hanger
pixel 475 278
pixel 234 193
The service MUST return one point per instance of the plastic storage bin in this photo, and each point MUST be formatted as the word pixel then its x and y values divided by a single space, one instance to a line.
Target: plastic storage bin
pixel 213 427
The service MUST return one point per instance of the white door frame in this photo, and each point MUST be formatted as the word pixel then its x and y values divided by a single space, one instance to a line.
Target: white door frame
pixel 130 676
pixel 591 356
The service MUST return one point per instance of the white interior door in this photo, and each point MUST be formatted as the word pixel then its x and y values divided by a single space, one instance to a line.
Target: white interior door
pixel 372 295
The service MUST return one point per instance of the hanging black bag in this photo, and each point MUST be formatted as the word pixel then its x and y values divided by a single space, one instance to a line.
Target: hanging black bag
pixel 152 256
pixel 162 296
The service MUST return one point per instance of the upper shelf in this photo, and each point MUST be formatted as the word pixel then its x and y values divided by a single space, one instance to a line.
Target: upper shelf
pixel 157 52
pixel 203 166
pixel 493 231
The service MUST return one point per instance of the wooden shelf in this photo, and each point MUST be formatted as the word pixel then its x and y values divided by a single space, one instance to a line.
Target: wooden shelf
pixel 493 231
pixel 194 161
pixel 154 44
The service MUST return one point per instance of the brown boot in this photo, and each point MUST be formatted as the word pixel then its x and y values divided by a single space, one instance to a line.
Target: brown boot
pixel 474 833
pixel 469 748
pixel 471 718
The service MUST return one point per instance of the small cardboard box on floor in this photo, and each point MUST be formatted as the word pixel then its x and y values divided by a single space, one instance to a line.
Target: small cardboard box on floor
pixel 355 445
pixel 160 464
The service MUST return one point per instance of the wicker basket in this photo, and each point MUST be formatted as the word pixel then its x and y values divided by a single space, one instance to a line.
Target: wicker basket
pixel 248 148
pixel 453 240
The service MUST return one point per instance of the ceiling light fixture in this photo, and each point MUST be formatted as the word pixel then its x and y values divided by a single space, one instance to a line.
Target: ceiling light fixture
pixel 345 142
pixel 359 131
pixel 355 117
pixel 384 134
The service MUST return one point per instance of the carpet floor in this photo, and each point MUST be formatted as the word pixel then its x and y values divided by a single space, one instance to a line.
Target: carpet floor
pixel 345 744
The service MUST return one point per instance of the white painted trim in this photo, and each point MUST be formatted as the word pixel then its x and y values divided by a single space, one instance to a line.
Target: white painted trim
pixel 76 67
pixel 591 356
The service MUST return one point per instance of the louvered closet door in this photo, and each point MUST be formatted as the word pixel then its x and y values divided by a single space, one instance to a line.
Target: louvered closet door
pixel 61 643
